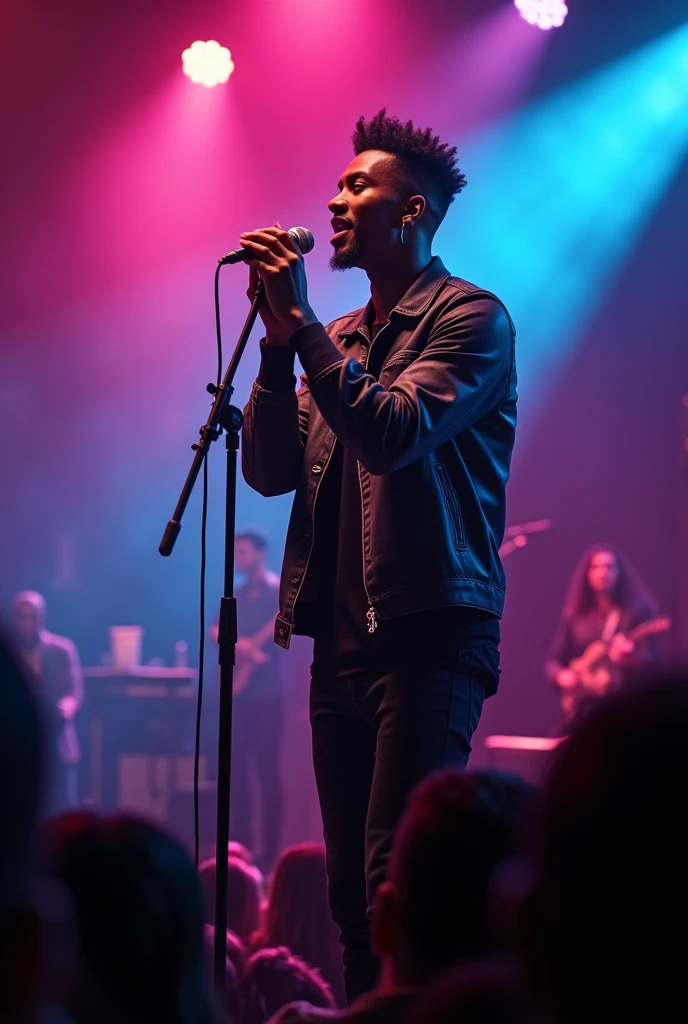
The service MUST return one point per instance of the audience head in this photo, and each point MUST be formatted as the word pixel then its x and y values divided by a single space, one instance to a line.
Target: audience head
pixel 244 882
pixel 28 617
pixel 234 849
pixel 239 851
pixel 232 974
pixel 275 977
pixel 236 950
pixel 298 914
pixel 457 829
pixel 476 993
pixel 604 922
pixel 22 754
pixel 139 916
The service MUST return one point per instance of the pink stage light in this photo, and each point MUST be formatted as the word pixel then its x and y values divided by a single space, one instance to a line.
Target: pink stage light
pixel 207 63
pixel 545 14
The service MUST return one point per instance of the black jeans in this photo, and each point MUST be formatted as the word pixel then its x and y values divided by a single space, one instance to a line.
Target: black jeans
pixel 257 729
pixel 375 735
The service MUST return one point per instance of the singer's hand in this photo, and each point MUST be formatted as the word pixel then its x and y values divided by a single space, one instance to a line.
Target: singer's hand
pixel 279 265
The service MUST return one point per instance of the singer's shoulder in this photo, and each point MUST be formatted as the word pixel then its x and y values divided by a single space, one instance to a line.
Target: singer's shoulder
pixel 347 323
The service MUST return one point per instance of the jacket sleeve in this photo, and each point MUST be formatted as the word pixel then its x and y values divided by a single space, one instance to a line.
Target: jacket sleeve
pixel 462 373
pixel 275 427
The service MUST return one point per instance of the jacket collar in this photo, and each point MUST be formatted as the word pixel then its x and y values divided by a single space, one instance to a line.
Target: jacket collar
pixel 415 301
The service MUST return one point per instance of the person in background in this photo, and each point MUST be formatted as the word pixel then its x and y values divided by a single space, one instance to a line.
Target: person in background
pixel 22 751
pixel 603 926
pixel 298 915
pixel 236 850
pixel 239 852
pixel 432 913
pixel 258 704
pixel 483 992
pixel 139 914
pixel 244 894
pixel 275 977
pixel 236 950
pixel 53 662
pixel 606 600
pixel 232 974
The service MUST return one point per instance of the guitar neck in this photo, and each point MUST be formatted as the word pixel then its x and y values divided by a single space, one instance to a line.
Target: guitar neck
pixel 649 628
pixel 265 632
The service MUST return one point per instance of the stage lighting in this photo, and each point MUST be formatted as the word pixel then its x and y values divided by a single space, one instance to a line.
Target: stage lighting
pixel 545 14
pixel 207 63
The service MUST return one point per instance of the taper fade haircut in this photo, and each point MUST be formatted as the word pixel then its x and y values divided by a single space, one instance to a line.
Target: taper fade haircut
pixel 430 164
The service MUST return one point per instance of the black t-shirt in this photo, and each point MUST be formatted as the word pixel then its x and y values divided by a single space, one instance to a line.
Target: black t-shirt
pixel 256 603
pixel 334 603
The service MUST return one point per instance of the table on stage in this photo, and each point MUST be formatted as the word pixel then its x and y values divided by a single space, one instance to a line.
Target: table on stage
pixel 527 756
pixel 138 736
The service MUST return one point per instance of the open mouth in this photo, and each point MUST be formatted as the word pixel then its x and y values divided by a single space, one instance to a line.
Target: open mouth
pixel 340 227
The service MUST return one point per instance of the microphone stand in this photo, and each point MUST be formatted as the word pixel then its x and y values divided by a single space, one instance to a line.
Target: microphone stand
pixel 229 418
pixel 517 536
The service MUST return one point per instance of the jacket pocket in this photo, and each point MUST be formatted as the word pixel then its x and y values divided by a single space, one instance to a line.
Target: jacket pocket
pixel 452 506
pixel 397 364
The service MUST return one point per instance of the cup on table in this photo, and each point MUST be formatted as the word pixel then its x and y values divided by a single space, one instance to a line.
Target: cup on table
pixel 126 643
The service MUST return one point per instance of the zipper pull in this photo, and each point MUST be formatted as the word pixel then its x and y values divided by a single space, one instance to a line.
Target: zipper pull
pixel 372 619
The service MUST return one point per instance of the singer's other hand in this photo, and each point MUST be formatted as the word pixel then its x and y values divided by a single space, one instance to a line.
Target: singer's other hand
pixel 279 265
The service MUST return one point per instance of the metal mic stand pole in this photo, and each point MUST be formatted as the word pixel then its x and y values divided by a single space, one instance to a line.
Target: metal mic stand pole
pixel 223 416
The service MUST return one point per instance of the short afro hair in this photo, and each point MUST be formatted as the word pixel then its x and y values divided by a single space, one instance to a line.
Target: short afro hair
pixel 256 538
pixel 432 163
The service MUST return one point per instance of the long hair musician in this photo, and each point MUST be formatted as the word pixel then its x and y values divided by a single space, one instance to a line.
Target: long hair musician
pixel 608 626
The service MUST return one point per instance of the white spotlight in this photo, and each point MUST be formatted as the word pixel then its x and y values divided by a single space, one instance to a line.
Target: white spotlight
pixel 545 14
pixel 207 63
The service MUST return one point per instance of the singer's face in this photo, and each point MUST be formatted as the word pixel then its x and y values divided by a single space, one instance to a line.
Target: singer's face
pixel 367 212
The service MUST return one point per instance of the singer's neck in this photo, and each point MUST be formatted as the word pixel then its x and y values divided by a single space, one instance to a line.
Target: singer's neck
pixel 390 282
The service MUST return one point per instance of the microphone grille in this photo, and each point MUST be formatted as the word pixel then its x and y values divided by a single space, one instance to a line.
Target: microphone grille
pixel 303 238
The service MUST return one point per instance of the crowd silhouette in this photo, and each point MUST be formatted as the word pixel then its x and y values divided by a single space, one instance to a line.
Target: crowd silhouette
pixel 502 903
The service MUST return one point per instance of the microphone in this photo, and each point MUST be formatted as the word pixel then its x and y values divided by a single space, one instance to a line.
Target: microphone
pixel 302 236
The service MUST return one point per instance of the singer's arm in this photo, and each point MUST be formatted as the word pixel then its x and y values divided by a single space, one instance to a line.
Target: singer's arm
pixel 462 373
pixel 275 425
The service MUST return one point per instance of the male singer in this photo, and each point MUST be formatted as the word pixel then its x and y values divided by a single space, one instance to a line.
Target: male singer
pixel 398 446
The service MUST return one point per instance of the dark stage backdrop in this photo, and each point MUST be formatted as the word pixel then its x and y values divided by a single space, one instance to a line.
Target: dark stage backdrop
pixel 122 183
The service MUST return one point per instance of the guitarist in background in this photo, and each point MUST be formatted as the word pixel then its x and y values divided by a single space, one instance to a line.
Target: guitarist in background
pixel 258 710
pixel 606 601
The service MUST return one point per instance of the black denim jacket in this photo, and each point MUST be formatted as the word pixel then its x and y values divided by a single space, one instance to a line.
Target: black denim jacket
pixel 433 436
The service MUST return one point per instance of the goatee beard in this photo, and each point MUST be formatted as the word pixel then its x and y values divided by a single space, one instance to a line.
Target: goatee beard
pixel 347 258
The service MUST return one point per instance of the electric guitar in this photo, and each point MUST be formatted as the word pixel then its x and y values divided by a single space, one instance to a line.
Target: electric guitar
pixel 249 655
pixel 594 670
